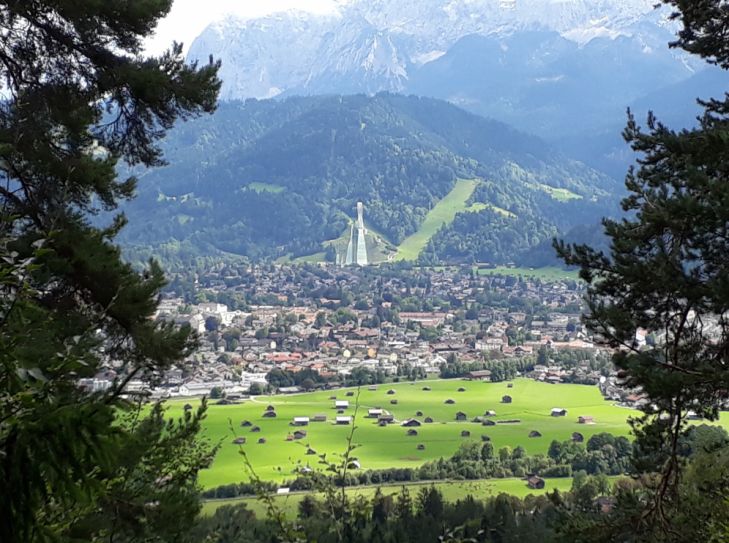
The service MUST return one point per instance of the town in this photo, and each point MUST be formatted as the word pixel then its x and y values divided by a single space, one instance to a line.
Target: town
pixel 296 328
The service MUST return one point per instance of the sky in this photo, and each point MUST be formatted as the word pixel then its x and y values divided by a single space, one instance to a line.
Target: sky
pixel 189 18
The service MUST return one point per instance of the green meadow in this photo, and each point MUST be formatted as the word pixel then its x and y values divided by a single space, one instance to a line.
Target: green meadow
pixel 265 187
pixel 442 213
pixel 386 447
pixel 451 490
pixel 561 195
pixel 311 259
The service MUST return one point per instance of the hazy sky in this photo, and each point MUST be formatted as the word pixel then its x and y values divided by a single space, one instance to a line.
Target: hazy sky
pixel 189 17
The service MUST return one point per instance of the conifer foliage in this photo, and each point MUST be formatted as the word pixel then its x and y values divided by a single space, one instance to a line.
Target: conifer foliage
pixel 667 272
pixel 79 99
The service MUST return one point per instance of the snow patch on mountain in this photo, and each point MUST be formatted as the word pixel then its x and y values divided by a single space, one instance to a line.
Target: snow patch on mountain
pixel 430 56
pixel 373 45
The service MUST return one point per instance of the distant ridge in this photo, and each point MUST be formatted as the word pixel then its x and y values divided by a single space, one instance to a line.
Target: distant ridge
pixel 375 45
pixel 564 70
pixel 272 179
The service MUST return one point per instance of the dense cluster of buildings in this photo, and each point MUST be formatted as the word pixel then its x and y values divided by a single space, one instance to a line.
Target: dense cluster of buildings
pixel 335 322
pixel 332 323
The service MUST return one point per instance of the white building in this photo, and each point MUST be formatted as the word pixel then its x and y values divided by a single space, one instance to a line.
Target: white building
pixel 197 323
pixel 199 388
pixel 95 385
pixel 247 379
pixel 213 308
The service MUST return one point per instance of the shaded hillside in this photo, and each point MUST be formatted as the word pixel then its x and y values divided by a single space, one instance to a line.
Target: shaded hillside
pixel 545 84
pixel 676 106
pixel 267 179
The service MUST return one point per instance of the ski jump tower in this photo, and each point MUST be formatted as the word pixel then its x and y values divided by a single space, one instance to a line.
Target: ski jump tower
pixel 357 247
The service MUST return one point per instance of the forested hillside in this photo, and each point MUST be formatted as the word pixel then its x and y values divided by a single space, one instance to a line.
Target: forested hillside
pixel 271 179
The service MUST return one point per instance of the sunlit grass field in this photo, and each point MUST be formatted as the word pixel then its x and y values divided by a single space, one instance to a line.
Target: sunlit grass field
pixel 387 447
pixel 561 195
pixel 451 490
pixel 265 187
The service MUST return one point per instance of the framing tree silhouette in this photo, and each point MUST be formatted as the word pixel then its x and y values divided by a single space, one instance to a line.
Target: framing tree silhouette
pixel 79 101
pixel 667 269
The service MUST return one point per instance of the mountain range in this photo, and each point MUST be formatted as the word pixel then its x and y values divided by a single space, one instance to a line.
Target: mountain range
pixel 564 70
pixel 374 45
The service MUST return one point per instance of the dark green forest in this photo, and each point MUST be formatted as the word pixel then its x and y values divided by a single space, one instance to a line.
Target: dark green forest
pixel 266 179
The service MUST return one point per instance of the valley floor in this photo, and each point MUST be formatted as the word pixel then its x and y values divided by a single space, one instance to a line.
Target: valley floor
pixel 276 456
pixel 451 490
pixel 390 446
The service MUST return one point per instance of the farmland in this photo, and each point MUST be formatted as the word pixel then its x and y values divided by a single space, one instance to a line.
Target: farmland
pixel 451 490
pixel 387 447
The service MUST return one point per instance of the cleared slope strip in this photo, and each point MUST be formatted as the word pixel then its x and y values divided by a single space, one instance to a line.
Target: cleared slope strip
pixel 442 213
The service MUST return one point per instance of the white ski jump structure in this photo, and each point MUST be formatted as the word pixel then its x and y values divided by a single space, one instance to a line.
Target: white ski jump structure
pixel 357 247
